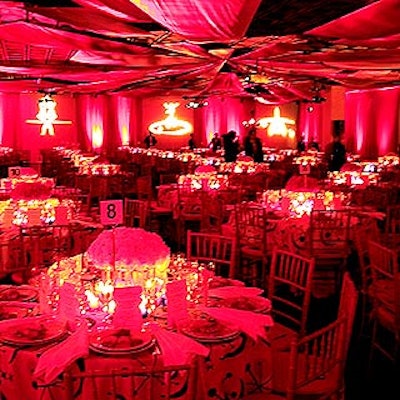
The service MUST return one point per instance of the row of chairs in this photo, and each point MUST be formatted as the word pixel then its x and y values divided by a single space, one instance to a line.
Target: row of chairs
pixel 327 239
pixel 37 247
pixel 379 277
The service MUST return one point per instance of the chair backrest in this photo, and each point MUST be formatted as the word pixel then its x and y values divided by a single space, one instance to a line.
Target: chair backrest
pixel 289 288
pixel 157 383
pixel 212 213
pixel 348 304
pixel 385 275
pixel 189 202
pixel 251 225
pixel 392 223
pixel 215 248
pixel 316 357
pixel 383 261
pixel 41 245
pixel 10 257
pixel 329 233
pixel 136 213
pixel 166 178
pixel 362 235
pixel 144 187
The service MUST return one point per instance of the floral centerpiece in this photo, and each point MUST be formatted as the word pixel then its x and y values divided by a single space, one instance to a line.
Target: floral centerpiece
pixel 32 189
pixel 132 257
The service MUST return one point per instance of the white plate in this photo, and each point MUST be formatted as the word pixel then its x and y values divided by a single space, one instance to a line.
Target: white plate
pixel 255 304
pixel 17 309
pixel 120 341
pixel 209 331
pixel 32 331
pixel 18 293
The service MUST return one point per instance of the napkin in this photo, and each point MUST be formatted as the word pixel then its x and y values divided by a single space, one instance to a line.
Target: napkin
pixel 176 348
pixel 68 304
pixel 127 313
pixel 227 292
pixel 253 324
pixel 56 359
pixel 177 303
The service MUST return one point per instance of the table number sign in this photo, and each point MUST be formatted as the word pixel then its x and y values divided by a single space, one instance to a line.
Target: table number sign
pixel 111 212
pixel 69 303
pixel 304 169
pixel 14 172
pixel 61 215
pixel 8 218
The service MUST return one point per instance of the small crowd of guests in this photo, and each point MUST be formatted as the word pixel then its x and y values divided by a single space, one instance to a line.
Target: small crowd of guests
pixel 252 146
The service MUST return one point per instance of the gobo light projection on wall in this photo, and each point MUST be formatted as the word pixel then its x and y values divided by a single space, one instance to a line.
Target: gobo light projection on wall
pixel 171 125
pixel 47 116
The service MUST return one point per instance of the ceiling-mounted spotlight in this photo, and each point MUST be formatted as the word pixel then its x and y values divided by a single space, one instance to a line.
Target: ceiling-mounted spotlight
pixel 318 98
pixel 197 103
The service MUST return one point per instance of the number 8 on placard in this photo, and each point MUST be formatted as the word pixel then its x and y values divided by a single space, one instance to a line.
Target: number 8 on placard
pixel 111 212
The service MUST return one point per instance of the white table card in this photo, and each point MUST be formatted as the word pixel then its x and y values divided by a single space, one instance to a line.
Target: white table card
pixel 127 313
pixel 177 304
pixel 34 215
pixel 61 215
pixel 69 303
pixel 44 291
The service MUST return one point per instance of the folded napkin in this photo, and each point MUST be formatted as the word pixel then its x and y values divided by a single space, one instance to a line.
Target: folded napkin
pixel 253 324
pixel 56 359
pixel 176 348
pixel 226 292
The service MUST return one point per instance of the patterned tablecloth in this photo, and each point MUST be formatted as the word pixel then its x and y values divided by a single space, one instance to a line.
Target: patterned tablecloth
pixel 234 368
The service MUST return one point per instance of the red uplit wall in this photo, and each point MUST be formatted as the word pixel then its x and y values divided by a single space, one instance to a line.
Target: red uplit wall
pixel 19 134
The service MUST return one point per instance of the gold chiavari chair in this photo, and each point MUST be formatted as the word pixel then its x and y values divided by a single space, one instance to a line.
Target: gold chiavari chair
pixel 158 383
pixel 136 213
pixel 251 238
pixel 384 292
pixel 215 248
pixel 328 242
pixel 313 366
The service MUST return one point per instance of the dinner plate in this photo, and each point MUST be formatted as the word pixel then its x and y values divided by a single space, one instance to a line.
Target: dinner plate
pixel 17 309
pixel 18 293
pixel 209 330
pixel 33 331
pixel 219 281
pixel 255 304
pixel 120 341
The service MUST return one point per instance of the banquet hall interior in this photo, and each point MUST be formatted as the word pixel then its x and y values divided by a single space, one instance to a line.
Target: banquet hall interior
pixel 199 199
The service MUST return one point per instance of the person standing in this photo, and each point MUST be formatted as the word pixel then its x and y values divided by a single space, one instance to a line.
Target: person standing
pixel 191 143
pixel 150 140
pixel 253 146
pixel 231 146
pixel 336 154
pixel 215 143
pixel 313 145
pixel 301 145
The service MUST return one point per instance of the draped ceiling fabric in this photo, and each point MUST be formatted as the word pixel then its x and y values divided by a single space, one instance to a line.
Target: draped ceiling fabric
pixel 278 52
